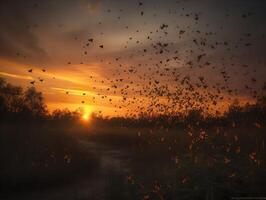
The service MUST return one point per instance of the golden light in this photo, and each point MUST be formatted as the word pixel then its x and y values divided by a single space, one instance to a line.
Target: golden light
pixel 86 113
pixel 85 117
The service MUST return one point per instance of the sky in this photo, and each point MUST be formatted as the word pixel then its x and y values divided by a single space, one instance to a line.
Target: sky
pixel 121 57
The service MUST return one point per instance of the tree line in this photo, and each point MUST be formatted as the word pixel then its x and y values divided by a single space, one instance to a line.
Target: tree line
pixel 18 104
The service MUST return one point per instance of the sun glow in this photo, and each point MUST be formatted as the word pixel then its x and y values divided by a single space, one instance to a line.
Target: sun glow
pixel 86 113
pixel 85 117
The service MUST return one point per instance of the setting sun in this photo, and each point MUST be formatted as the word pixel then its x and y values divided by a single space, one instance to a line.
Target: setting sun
pixel 85 117
pixel 86 113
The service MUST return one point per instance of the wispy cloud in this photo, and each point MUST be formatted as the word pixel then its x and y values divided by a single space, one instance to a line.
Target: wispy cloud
pixel 74 92
pixel 16 76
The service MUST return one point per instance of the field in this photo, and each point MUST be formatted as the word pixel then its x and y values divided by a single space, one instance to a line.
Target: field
pixel 132 162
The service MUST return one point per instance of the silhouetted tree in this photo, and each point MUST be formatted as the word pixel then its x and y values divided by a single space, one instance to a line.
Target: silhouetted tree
pixel 64 115
pixel 194 116
pixel 34 102
pixel 14 103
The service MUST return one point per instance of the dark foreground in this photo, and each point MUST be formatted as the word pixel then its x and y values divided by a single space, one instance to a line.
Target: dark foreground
pixel 133 163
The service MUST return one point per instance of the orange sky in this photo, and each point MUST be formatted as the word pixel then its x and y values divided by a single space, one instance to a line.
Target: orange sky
pixel 57 83
pixel 55 86
pixel 119 54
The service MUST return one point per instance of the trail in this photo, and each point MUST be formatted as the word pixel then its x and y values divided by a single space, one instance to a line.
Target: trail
pixel 112 161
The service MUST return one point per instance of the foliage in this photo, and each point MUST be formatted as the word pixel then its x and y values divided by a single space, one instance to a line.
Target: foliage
pixel 18 104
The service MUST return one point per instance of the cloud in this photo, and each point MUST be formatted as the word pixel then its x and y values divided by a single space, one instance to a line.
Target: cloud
pixel 94 7
pixel 16 76
pixel 74 92
pixel 16 32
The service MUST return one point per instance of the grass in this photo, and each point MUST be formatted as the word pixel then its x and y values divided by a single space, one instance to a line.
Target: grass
pixel 36 155
pixel 214 162
pixel 210 163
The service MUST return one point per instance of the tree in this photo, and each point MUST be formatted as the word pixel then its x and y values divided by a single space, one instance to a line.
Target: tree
pixel 10 98
pixel 234 110
pixel 34 102
pixel 195 115
pixel 14 103
pixel 261 102
pixel 64 115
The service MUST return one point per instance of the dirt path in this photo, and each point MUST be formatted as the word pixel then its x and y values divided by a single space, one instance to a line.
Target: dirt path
pixel 112 161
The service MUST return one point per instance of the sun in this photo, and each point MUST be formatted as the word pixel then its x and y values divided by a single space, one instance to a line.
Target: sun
pixel 85 117
pixel 86 113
